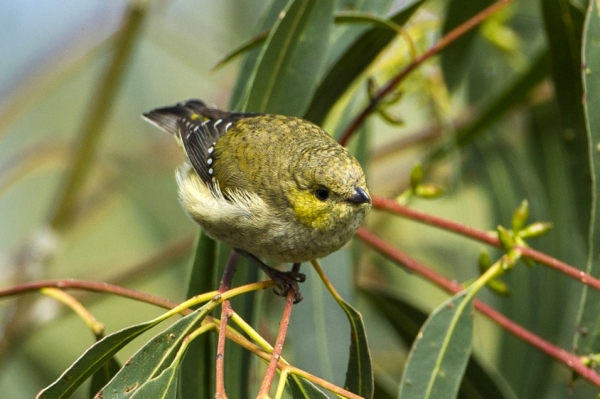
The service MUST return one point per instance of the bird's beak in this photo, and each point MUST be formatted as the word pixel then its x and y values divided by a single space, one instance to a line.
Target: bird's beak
pixel 359 196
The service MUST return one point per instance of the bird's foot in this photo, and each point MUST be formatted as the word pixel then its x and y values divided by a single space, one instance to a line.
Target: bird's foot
pixel 285 280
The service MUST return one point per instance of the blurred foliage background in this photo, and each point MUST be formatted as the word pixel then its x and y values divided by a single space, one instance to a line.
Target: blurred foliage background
pixel 484 118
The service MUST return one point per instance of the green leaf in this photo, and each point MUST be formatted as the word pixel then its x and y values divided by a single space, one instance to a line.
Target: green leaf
pixel 406 319
pixel 156 356
pixel 359 374
pixel 353 62
pixel 358 17
pixel 513 95
pixel 103 375
pixel 162 387
pixel 243 80
pixel 520 217
pixel 253 42
pixel 564 26
pixel 291 61
pixel 197 374
pixel 303 389
pixel 589 342
pixel 91 360
pixel 439 356
pixel 455 56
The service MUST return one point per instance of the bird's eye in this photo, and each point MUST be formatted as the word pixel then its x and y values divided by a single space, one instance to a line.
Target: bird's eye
pixel 322 194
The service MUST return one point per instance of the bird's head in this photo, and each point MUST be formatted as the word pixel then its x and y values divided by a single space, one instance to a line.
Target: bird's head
pixel 329 191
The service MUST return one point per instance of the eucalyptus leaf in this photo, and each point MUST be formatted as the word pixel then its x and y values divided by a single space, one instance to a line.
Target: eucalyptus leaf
pixel 564 26
pixel 587 338
pixel 197 371
pixel 151 361
pixel 303 389
pixel 92 360
pixel 406 320
pixel 354 62
pixel 439 356
pixel 286 74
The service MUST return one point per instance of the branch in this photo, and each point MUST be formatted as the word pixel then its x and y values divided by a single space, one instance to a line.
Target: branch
pixel 88 286
pixel 436 48
pixel 571 361
pixel 394 207
pixel 265 387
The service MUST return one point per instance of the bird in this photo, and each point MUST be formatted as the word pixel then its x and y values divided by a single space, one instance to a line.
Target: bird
pixel 270 186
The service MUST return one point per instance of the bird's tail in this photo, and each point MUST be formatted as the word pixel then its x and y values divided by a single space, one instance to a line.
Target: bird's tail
pixel 166 118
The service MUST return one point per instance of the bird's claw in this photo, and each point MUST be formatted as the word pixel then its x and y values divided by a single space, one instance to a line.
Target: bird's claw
pixel 286 281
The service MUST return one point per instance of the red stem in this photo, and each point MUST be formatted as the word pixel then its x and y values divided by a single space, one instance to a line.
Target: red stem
pixel 278 348
pixel 88 286
pixel 394 207
pixel 568 359
pixel 226 313
pixel 436 48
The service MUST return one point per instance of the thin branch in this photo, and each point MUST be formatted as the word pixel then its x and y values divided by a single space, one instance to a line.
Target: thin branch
pixel 394 254
pixel 394 207
pixel 226 312
pixel 436 48
pixel 88 286
pixel 68 300
pixel 265 387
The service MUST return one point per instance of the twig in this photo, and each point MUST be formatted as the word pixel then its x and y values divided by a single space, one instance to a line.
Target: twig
pixel 393 206
pixel 88 286
pixel 436 48
pixel 568 359
pixel 265 387
pixel 68 300
pixel 286 367
pixel 225 314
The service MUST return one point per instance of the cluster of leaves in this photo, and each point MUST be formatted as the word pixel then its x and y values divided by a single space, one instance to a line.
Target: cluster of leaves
pixel 512 70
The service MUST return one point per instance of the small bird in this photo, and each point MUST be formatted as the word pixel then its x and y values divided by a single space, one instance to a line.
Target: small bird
pixel 270 186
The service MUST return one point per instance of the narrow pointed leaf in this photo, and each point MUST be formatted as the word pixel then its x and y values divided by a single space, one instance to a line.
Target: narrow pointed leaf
pixel 507 100
pixel 353 62
pixel 242 48
pixel 162 387
pixel 564 25
pixel 455 57
pixel 251 59
pixel 153 358
pixel 91 360
pixel 439 356
pixel 197 374
pixel 303 389
pixel 292 59
pixel 357 17
pixel 407 320
pixel 359 374
pixel 589 342
pixel 103 375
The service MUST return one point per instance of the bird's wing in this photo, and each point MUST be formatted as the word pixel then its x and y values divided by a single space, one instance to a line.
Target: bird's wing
pixel 198 127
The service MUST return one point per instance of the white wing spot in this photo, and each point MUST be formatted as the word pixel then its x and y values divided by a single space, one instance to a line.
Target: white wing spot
pixel 227 126
pixel 211 149
pixel 209 161
pixel 205 122
pixel 210 171
pixel 217 122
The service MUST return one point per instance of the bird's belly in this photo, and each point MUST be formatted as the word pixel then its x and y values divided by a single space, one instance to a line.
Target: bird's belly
pixel 278 243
